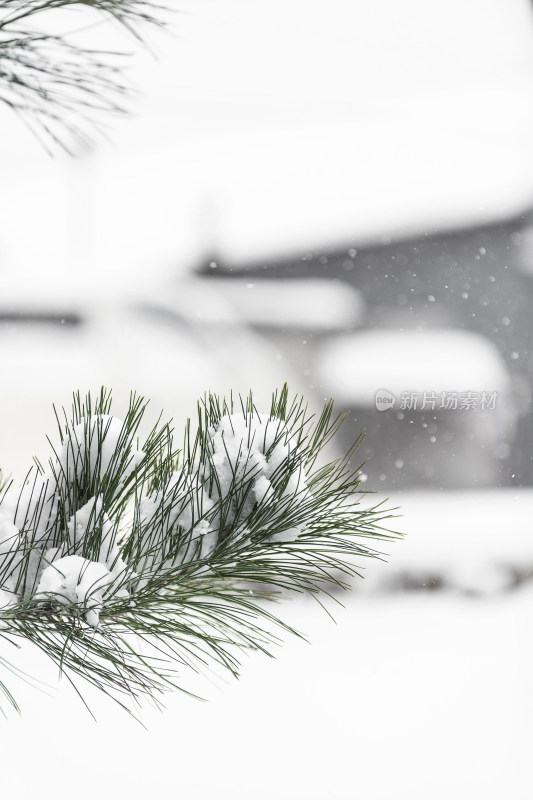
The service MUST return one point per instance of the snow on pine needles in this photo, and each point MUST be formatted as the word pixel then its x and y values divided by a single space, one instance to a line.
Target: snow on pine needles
pixel 126 564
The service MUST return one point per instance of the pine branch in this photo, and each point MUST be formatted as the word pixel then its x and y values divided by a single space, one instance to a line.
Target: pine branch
pixel 59 88
pixel 127 564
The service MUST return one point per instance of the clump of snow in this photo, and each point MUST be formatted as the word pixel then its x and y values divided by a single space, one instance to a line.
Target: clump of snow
pixel 252 465
pixel 27 514
pixel 355 366
pixel 252 453
pixel 97 446
pixel 312 304
pixel 8 595
pixel 76 580
pixel 190 507
pixel 181 504
pixel 262 489
pixel 98 443
pixel 89 520
pixel 91 523
pixel 9 534
pixel 6 599
pixel 25 552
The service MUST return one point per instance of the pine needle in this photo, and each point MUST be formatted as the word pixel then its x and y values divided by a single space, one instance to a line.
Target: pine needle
pixel 60 89
pixel 131 565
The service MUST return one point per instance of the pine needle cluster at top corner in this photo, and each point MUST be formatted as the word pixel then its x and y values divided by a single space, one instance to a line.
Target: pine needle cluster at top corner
pixel 62 89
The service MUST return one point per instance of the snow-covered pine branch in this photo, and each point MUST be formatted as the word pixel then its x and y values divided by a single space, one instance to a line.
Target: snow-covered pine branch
pixel 113 543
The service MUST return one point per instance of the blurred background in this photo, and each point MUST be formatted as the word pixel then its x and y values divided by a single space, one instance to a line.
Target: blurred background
pixel 339 196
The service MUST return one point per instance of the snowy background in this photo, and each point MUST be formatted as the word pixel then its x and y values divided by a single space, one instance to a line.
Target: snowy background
pixel 338 195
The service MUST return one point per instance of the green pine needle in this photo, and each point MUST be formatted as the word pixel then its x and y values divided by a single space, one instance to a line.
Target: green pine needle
pixel 176 551
pixel 59 88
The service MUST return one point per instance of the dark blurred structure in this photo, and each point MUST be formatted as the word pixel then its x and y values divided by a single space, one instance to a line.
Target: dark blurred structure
pixel 477 280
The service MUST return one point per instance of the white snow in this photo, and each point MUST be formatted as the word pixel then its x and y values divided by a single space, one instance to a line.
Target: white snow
pixel 73 579
pixel 181 503
pixel 355 366
pixel 97 443
pixel 84 522
pixel 26 515
pixel 248 454
pixel 6 599
pixel 9 534
pixel 28 512
pixel 473 539
pixel 420 681
pixel 404 695
pixel 191 506
pixel 262 489
pixel 319 305
pixel 358 119
pixel 256 449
